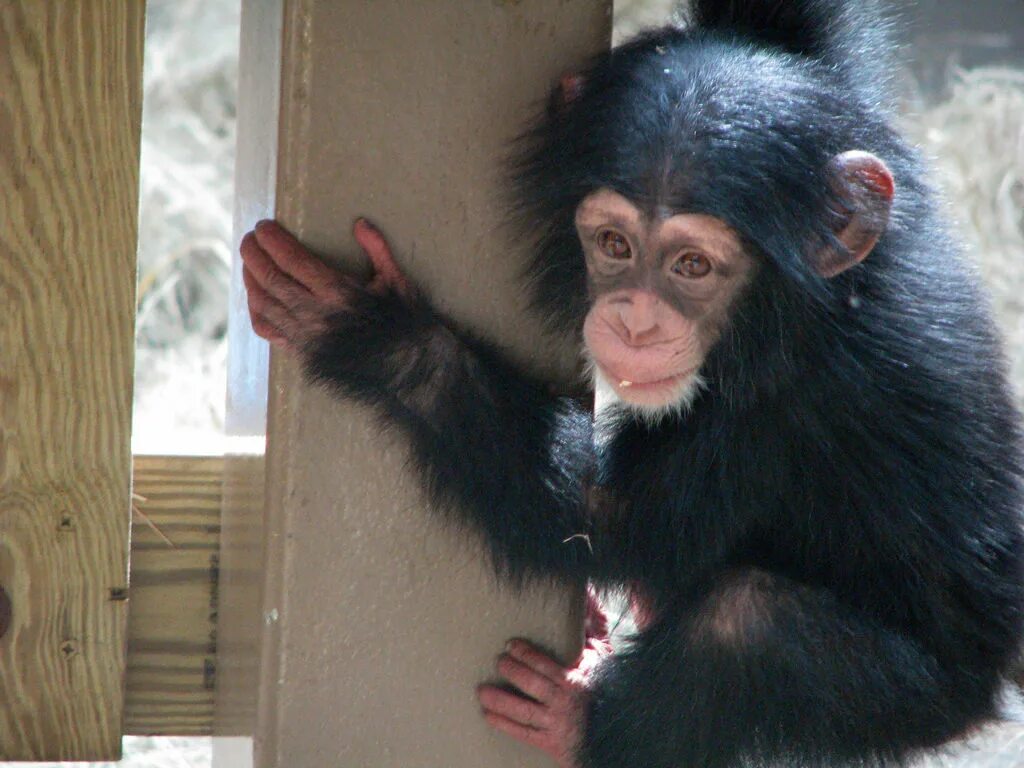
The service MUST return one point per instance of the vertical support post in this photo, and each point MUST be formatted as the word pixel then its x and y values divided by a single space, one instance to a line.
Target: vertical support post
pixel 71 79
pixel 375 624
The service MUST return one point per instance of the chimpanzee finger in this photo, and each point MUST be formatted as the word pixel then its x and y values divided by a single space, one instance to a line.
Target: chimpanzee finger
pixel 526 679
pixel 269 277
pixel 265 330
pixel 522 733
pixel 515 708
pixel 386 272
pixel 265 306
pixel 536 659
pixel 295 260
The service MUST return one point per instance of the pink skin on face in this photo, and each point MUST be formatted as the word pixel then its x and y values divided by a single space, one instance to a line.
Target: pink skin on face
pixel 642 267
pixel 641 346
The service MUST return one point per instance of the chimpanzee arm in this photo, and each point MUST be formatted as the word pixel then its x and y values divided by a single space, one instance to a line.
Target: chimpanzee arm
pixel 490 442
pixel 486 439
pixel 766 672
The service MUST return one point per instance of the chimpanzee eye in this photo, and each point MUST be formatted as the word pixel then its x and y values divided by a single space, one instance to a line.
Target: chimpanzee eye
pixel 613 244
pixel 692 265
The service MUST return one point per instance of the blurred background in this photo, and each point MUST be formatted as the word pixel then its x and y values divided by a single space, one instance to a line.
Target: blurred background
pixel 963 103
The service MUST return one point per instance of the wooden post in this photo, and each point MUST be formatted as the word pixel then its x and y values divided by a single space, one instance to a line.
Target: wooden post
pixel 374 624
pixel 71 77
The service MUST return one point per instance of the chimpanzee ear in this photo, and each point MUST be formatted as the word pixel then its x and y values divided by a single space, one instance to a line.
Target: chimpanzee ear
pixel 863 188
pixel 568 90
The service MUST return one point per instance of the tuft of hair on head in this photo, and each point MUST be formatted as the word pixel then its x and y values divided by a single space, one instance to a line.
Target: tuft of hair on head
pixel 854 37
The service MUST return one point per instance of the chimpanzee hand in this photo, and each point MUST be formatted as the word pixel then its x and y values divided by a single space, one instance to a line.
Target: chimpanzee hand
pixel 552 718
pixel 366 338
pixel 293 295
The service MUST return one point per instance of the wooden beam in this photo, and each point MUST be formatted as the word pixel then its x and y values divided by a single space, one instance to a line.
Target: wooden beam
pixel 172 616
pixel 368 611
pixel 71 85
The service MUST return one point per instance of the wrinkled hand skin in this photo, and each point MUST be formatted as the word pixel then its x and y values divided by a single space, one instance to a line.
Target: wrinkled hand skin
pixel 293 294
pixel 551 719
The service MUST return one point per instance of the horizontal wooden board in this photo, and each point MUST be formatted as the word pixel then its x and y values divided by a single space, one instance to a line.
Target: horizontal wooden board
pixel 172 599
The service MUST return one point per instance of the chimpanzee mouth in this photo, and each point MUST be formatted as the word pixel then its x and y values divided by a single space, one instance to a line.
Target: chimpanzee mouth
pixel 670 381
pixel 625 385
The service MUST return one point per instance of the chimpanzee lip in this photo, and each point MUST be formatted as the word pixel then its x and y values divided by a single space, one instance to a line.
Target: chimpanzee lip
pixel 620 382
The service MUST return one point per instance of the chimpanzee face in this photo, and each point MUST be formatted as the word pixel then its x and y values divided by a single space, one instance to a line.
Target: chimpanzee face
pixel 661 287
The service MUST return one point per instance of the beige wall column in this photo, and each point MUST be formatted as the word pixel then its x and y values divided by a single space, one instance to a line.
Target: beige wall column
pixel 70 89
pixel 372 624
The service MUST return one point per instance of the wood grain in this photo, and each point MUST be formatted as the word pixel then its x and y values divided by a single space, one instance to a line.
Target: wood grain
pixel 173 596
pixel 70 79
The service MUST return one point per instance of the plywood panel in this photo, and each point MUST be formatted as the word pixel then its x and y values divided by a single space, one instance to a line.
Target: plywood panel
pixel 375 624
pixel 70 79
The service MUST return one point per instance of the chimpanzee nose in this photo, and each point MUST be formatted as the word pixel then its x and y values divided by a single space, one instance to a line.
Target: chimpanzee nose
pixel 639 313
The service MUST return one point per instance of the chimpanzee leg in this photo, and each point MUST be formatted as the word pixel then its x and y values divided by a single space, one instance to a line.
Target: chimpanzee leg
pixel 763 671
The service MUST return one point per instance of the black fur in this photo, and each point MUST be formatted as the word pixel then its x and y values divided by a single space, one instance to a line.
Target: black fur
pixel 832 535
pixel 490 441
